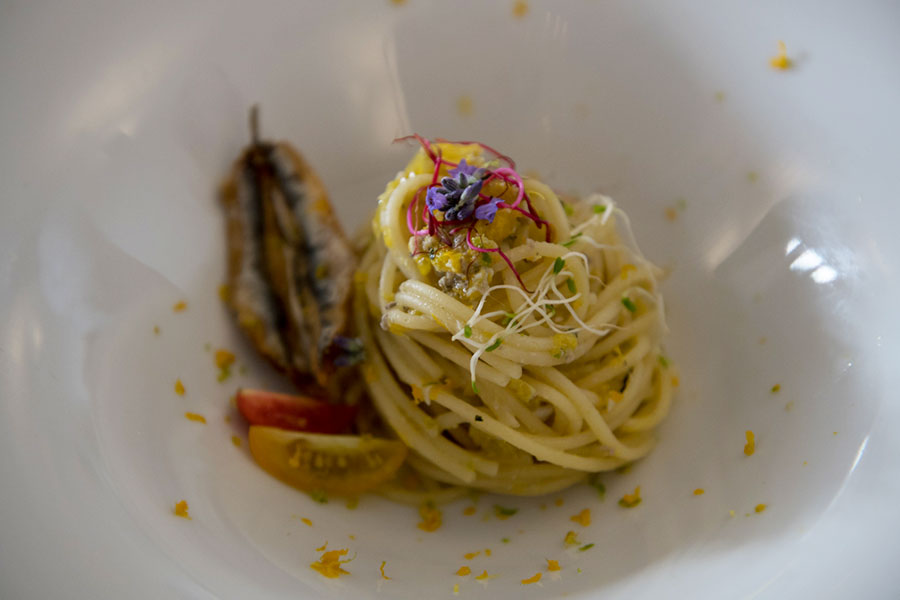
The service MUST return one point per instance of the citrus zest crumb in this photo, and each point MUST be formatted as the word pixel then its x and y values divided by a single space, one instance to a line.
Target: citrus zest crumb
pixel 236 441
pixel 626 269
pixel 463 571
pixel 484 575
pixel 533 579
pixel 417 394
pixel 195 417
pixel 469 511
pixel 431 517
pixel 583 518
pixel 558 502
pixel 759 508
pixel 181 510
pixel 456 588
pixel 322 547
pixel 465 107
pixel 224 292
pixel 224 358
pixel 520 9
pixel 553 565
pixel 671 214
pixel 179 306
pixel 631 500
pixel 329 564
pixel 730 513
pixel 750 446
pixel 571 539
pixel 156 329
pixel 179 387
pixel 699 492
pixel 781 61
pixel 306 522
pixel 471 555
pixel 675 381
pixel 381 568
pixel 776 388
pixel 487 551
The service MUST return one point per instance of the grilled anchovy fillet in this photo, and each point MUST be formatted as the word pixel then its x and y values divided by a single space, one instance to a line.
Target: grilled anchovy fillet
pixel 290 264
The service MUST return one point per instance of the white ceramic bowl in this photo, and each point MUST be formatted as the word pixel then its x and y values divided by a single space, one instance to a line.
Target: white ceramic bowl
pixel 772 195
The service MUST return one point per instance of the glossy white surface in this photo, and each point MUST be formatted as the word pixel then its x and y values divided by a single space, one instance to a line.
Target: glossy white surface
pixel 118 121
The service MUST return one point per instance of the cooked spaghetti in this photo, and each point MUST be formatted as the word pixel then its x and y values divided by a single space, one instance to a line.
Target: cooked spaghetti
pixel 512 339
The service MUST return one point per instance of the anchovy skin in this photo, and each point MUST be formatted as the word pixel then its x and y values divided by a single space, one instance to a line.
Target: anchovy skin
pixel 290 264
pixel 256 309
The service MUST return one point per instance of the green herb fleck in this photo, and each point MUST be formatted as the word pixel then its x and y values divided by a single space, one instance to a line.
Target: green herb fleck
pixel 568 209
pixel 681 204
pixel 570 283
pixel 503 512
pixel 509 318
pixel 595 483
pixel 599 208
pixel 586 547
pixel 505 540
pixel 467 331
pixel 479 418
pixel 579 569
pixel 486 259
pixel 224 374
pixel 558 265
pixel 629 304
pixel 494 346
pixel 551 309
pixel 319 496
pixel 571 242
pixel 664 361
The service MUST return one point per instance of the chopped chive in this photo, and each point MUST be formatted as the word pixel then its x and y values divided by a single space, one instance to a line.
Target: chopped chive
pixel 572 241
pixel 505 540
pixel 568 209
pixel 494 346
pixel 467 331
pixel 586 547
pixel 664 361
pixel 570 283
pixel 486 259
pixel 627 303
pixel 474 387
pixel 502 511
pixel 319 496
pixel 509 318
pixel 551 309
pixel 479 418
pixel 595 483
pixel 558 265
pixel 599 208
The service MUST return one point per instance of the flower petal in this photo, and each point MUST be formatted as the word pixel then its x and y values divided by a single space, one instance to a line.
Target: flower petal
pixel 487 211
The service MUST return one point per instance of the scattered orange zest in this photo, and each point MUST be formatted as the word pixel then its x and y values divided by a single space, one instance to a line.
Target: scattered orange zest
pixel 381 568
pixel 236 441
pixel 759 508
pixel 750 446
pixel 224 358
pixel 558 501
pixel 322 547
pixel 179 387
pixel 156 329
pixel 471 555
pixel 181 510
pixel 469 511
pixel 627 269
pixel 631 500
pixel 553 565
pixel 520 9
pixel 699 492
pixel 487 551
pixel 484 575
pixel 306 521
pixel 179 306
pixel 675 381
pixel 195 417
pixel 329 564
pixel 583 518
pixel 781 61
pixel 571 539
pixel 533 579
pixel 431 518
pixel 463 571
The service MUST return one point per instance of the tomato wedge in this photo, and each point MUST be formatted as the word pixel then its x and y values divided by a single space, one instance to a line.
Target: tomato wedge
pixel 296 413
pixel 338 464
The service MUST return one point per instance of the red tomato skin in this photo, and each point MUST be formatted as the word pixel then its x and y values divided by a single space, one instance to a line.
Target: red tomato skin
pixel 294 413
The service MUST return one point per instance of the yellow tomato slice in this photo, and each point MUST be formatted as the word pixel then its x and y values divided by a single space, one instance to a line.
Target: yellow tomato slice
pixel 338 464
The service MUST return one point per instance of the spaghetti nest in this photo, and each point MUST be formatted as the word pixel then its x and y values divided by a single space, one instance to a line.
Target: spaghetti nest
pixel 512 339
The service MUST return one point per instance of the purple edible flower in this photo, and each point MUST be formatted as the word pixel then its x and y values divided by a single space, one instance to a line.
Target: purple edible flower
pixel 487 211
pixel 457 194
